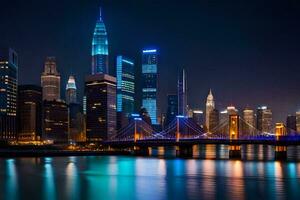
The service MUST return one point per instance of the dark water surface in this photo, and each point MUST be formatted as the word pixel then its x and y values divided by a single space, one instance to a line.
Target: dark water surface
pixel 122 177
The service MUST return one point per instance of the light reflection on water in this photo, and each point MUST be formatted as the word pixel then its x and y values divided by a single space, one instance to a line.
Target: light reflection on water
pixel 11 179
pixel 49 183
pixel 113 177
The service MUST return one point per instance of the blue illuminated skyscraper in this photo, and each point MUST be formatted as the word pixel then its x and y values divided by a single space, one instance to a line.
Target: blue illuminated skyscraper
pixel 100 48
pixel 149 83
pixel 125 89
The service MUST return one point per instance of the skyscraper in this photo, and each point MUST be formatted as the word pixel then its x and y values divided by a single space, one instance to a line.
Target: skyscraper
pixel 172 110
pixel 213 121
pixel 8 93
pixel 182 93
pixel 264 119
pixel 198 117
pixel 210 106
pixel 50 80
pixel 248 126
pixel 100 92
pixel 71 91
pixel 55 121
pixel 150 83
pixel 100 48
pixel 125 90
pixel 291 124
pixel 29 113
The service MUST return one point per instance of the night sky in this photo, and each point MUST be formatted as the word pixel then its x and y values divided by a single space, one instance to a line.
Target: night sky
pixel 248 52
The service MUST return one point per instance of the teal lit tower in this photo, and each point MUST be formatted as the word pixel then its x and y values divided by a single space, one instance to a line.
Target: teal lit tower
pixel 149 83
pixel 125 89
pixel 100 48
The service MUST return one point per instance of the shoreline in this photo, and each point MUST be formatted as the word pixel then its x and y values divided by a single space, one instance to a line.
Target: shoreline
pixel 58 153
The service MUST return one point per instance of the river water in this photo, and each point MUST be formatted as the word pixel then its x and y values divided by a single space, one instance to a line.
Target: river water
pixel 157 177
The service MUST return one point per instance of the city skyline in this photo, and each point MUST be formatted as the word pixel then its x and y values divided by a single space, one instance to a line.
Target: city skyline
pixel 149 99
pixel 280 96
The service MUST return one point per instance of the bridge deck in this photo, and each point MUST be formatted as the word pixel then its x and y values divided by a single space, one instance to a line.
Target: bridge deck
pixel 187 142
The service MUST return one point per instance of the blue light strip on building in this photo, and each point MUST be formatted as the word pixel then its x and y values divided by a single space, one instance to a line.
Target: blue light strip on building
pixel 149 51
pixel 128 62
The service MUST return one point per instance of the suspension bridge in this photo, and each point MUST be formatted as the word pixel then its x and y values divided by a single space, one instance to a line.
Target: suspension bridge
pixel 183 129
pixel 183 133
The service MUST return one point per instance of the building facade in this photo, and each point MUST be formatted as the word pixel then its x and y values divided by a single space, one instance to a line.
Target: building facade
pixel 182 93
pixel 125 90
pixel 210 106
pixel 264 119
pixel 150 83
pixel 100 48
pixel 76 123
pixel 248 124
pixel 214 121
pixel 100 92
pixel 29 113
pixel 291 122
pixel 8 93
pixel 172 110
pixel 50 80
pixel 198 117
pixel 71 91
pixel 55 121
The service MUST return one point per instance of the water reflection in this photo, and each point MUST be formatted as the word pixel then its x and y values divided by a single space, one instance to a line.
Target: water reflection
pixel 11 182
pixel 49 184
pixel 209 183
pixel 72 182
pixel 113 177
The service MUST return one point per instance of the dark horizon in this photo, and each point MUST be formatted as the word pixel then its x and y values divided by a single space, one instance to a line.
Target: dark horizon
pixel 246 52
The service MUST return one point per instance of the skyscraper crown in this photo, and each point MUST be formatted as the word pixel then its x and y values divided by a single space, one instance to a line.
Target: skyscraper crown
pixel 100 47
pixel 71 83
pixel 210 95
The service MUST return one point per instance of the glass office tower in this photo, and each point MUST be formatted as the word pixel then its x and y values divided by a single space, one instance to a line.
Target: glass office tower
pixel 149 83
pixel 8 93
pixel 125 89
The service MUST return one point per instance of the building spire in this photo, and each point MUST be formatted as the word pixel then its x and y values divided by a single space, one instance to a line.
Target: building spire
pixel 210 93
pixel 100 13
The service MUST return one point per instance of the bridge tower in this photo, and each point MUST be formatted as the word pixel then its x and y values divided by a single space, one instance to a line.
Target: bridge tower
pixel 136 135
pixel 233 127
pixel 279 130
pixel 234 150
pixel 280 150
pixel 178 127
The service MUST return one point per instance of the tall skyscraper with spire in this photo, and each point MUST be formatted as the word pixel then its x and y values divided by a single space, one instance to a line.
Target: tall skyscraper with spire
pixel 182 93
pixel 50 80
pixel 210 106
pixel 100 48
pixel 71 96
